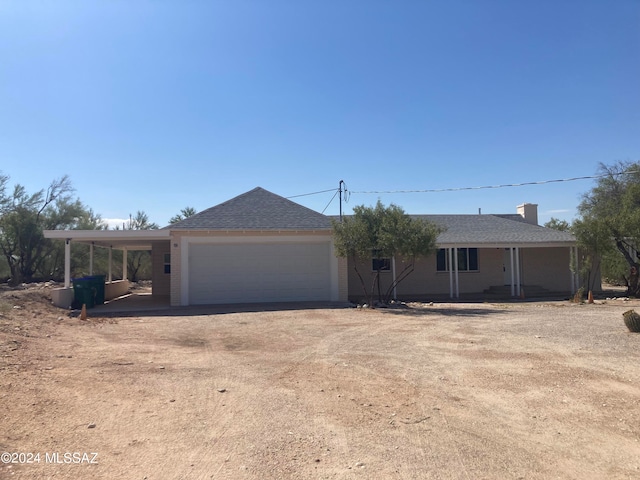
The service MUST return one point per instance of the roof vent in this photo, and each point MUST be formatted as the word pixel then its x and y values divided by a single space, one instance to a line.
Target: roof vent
pixel 529 212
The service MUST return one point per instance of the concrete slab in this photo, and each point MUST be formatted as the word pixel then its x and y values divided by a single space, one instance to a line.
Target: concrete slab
pixel 134 302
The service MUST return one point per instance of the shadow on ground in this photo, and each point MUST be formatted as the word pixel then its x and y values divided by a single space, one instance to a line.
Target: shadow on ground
pixel 461 311
pixel 206 310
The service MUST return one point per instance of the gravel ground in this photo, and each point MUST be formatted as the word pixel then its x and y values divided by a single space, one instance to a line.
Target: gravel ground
pixel 531 390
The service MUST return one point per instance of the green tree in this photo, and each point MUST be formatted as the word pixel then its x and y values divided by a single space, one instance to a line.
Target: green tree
pixel 5 200
pixel 610 218
pixel 80 252
pixel 557 224
pixel 594 242
pixel 380 233
pixel 23 218
pixel 139 261
pixel 184 213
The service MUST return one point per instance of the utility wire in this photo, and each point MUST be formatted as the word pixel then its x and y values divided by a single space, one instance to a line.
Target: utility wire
pixel 458 189
pixel 334 196
pixel 312 193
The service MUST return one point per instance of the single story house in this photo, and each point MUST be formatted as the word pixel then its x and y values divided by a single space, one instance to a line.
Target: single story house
pixel 261 247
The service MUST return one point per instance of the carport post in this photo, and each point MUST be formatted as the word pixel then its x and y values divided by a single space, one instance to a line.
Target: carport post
pixel 393 268
pixel 91 258
pixel 110 258
pixel 124 263
pixel 67 263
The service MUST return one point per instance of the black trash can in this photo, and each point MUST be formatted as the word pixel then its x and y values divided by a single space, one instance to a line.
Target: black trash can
pixel 84 293
pixel 97 282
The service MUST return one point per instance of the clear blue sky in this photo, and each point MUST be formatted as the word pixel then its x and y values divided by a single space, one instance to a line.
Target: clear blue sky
pixel 158 105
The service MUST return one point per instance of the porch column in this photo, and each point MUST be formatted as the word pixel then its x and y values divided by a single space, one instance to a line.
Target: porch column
pixel 124 263
pixel 577 268
pixel 455 260
pixel 450 253
pixel 91 258
pixel 572 271
pixel 513 288
pixel 518 286
pixel 67 263
pixel 110 258
pixel 576 273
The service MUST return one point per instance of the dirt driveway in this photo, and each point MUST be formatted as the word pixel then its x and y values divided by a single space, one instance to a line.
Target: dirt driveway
pixel 447 391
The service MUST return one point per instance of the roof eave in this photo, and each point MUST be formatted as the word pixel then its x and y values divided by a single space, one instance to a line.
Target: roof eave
pixel 130 239
pixel 568 243
pixel 250 230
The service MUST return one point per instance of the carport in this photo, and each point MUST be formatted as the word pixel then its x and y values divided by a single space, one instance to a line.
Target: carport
pixel 255 248
pixel 124 240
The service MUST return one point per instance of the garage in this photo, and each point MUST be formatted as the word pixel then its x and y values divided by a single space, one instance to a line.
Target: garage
pixel 259 272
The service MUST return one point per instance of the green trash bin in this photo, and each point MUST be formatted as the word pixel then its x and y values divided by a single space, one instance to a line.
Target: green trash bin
pixel 84 293
pixel 97 281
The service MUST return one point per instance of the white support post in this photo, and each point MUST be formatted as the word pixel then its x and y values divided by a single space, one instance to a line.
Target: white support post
pixel 450 253
pixel 455 259
pixel 518 286
pixel 572 272
pixel 124 263
pixel 109 278
pixel 91 258
pixel 67 263
pixel 513 288
pixel 577 269
pixel 393 270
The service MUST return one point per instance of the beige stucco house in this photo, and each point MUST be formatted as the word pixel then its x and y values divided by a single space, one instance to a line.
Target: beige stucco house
pixel 480 255
pixel 260 247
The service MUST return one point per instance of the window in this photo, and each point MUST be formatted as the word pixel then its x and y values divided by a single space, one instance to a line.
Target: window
pixel 167 263
pixel 379 263
pixel 467 260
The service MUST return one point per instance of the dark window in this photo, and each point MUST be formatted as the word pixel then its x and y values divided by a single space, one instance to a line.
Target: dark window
pixel 467 260
pixel 473 259
pixel 380 263
pixel 443 260
pixel 167 263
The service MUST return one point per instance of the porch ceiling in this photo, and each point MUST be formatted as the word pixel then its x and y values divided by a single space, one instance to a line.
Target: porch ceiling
pixel 119 239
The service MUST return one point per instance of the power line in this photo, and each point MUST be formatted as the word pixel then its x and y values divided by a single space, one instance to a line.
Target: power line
pixel 458 189
pixel 484 187
pixel 334 196
pixel 312 193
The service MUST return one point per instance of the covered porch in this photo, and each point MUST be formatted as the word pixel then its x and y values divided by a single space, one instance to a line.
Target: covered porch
pixel 123 240
pixel 479 271
pixel 551 267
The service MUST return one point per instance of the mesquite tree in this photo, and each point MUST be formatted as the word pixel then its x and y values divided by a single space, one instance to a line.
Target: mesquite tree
pixel 380 233
pixel 610 218
pixel 24 216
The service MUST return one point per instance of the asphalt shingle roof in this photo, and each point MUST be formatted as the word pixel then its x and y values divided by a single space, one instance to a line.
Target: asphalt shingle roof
pixel 261 210
pixel 257 209
pixel 494 229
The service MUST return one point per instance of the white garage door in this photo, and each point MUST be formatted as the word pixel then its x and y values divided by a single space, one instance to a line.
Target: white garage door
pixel 265 272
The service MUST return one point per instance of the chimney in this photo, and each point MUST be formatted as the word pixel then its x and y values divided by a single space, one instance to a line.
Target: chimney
pixel 529 211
